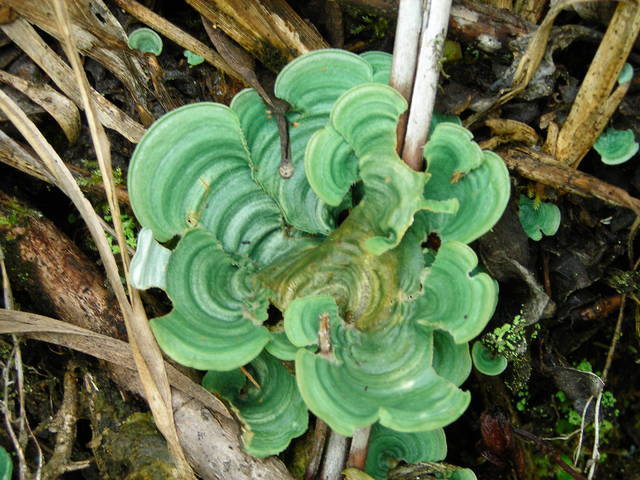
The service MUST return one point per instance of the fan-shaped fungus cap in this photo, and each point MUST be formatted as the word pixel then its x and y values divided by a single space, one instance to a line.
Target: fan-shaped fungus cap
pixel 364 377
pixel 616 146
pixel 538 219
pixel 145 40
pixel 272 414
pixel 192 58
pixel 387 446
pixel 6 465
pixel 485 361
pixel 626 74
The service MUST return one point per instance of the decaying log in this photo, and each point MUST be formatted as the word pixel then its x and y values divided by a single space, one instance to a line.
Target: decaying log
pixel 545 169
pixel 472 22
pixel 64 281
pixel 268 29
pixel 491 28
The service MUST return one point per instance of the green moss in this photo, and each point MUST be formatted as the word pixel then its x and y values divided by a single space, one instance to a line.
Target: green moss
pixel 10 220
pixel 509 339
pixel 272 58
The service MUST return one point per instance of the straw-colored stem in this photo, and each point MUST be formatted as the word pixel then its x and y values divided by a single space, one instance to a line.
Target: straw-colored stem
pixel 434 31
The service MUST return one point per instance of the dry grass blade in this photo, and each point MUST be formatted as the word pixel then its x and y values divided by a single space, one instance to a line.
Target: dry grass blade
pixel 173 33
pixel 594 105
pixel 68 185
pixel 97 34
pixel 98 346
pixel 101 143
pixel 146 353
pixel 57 105
pixel 26 37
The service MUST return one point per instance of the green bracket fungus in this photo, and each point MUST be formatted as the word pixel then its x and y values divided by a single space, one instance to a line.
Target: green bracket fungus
pixel 486 361
pixel 145 40
pixel 384 375
pixel 462 310
pixel 218 307
pixel 149 266
pixel 462 474
pixel 626 74
pixel 271 415
pixel 538 218
pixel 381 64
pixel 192 58
pixel 452 156
pixel 387 447
pixel 6 465
pixel 377 327
pixel 616 146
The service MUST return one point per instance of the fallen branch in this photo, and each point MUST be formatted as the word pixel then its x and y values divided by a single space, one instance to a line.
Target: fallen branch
pixel 595 104
pixel 545 169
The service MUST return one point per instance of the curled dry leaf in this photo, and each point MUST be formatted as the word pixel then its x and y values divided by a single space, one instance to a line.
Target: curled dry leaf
pixel 97 33
pixel 26 37
pixel 57 105
pixel 268 29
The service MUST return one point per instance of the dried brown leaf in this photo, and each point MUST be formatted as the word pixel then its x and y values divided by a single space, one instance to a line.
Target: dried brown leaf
pixel 63 110
pixel 97 33
pixel 26 37
pixel 146 353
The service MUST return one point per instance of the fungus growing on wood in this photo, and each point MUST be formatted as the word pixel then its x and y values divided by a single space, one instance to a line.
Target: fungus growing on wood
pixel 145 40
pixel 377 325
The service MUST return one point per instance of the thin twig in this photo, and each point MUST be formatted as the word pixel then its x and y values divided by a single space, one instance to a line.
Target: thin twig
pixel 250 377
pixel 64 426
pixel 549 450
pixel 317 447
pixel 595 454
pixel 576 454
pixel 23 471
pixel 405 57
pixel 359 446
pixel 23 422
pixel 334 457
pixel 434 31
